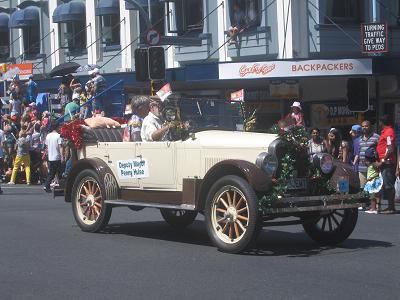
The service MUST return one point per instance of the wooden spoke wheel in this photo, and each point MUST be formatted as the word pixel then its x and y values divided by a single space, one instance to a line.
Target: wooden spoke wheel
pixel 90 204
pixel 232 214
pixel 332 227
pixel 90 211
pixel 178 218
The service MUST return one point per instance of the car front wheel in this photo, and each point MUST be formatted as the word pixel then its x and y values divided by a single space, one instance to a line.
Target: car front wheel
pixel 332 227
pixel 89 209
pixel 231 214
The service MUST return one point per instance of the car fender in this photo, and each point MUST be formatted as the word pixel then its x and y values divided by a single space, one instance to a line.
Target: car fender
pixel 101 168
pixel 259 180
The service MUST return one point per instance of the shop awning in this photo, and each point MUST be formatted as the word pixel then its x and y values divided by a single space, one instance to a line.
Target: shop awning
pixel 24 18
pixel 4 19
pixel 107 7
pixel 142 3
pixel 69 12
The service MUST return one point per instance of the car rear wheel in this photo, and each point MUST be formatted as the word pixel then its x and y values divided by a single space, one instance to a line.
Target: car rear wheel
pixel 332 227
pixel 89 209
pixel 178 218
pixel 231 214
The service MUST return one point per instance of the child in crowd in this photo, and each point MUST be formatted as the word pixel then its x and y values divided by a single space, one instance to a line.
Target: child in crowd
pixel 374 179
pixel 23 145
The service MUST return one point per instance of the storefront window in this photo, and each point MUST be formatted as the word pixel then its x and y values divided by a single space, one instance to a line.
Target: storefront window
pixel 344 11
pixel 245 13
pixel 110 29
pixel 185 16
pixel 73 36
pixel 31 36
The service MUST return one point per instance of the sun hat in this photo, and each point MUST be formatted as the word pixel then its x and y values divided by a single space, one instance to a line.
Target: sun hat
pixel 296 104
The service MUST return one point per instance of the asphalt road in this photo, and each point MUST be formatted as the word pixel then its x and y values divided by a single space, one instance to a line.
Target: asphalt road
pixel 44 255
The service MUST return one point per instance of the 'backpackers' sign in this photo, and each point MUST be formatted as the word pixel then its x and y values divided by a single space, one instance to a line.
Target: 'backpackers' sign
pixel 374 37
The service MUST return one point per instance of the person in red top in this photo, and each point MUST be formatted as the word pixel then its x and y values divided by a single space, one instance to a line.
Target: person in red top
pixel 387 161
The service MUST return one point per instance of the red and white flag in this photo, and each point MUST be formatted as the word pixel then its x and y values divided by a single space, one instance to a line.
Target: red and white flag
pixel 164 92
pixel 238 96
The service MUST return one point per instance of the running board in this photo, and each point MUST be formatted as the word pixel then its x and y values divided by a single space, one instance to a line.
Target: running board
pixel 154 205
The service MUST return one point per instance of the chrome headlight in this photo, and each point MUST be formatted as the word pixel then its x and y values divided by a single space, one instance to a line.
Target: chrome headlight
pixel 267 162
pixel 324 162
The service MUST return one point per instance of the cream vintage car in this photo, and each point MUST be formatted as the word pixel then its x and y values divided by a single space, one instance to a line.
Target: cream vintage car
pixel 216 170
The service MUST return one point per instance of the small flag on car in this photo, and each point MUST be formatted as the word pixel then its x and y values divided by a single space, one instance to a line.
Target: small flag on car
pixel 164 92
pixel 238 96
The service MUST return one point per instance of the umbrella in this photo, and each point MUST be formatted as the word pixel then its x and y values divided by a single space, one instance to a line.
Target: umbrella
pixel 64 69
pixel 86 68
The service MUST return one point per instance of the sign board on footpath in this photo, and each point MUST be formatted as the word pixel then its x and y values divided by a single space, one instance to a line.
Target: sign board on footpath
pixel 237 96
pixel 374 37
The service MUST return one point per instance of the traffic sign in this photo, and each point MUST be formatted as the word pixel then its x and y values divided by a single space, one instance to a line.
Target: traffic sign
pixel 153 37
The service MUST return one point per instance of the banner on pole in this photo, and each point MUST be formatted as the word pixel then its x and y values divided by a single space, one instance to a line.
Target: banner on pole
pixel 164 92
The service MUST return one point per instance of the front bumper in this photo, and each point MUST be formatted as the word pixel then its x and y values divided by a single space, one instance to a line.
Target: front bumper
pixel 317 203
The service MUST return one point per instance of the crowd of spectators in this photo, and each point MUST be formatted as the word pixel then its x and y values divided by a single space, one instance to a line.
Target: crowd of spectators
pixel 371 155
pixel 31 150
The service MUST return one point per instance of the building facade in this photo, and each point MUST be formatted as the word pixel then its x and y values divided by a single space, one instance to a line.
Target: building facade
pixel 201 57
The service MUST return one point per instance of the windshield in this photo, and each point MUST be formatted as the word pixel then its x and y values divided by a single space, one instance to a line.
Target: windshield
pixel 203 114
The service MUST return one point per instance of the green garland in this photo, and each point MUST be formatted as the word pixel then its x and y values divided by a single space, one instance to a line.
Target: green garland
pixel 295 141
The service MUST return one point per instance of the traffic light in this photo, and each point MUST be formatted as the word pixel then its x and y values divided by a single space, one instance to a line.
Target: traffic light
pixel 156 63
pixel 141 64
pixel 358 94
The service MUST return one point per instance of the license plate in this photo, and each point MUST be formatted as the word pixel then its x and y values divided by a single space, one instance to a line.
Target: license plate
pixel 297 184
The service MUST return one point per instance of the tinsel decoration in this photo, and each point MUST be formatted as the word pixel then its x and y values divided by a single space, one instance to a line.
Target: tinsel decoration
pixel 295 140
pixel 73 131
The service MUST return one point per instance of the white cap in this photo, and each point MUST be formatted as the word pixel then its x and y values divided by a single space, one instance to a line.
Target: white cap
pixel 75 96
pixel 296 104
pixel 94 71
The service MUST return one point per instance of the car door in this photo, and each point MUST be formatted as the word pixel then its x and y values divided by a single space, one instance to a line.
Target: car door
pixel 161 161
pixel 121 158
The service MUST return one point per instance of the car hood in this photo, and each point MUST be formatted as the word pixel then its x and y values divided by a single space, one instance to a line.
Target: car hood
pixel 237 139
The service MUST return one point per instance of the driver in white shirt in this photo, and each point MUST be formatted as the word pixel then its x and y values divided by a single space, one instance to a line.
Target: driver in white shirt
pixel 152 126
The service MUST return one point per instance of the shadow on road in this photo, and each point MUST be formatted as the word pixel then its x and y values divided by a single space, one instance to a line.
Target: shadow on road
pixel 269 242
pixel 298 244
pixel 194 234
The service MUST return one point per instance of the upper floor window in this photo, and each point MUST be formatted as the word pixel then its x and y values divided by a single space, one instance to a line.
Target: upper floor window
pixel 157 19
pixel 344 11
pixel 72 25
pixel 31 37
pixel 185 16
pixel 4 44
pixel 110 29
pixel 73 36
pixel 245 13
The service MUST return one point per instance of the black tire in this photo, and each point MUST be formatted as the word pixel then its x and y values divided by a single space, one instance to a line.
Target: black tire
pixel 232 223
pixel 90 212
pixel 332 228
pixel 178 218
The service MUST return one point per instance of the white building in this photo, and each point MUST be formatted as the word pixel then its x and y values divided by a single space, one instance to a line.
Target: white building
pixel 199 58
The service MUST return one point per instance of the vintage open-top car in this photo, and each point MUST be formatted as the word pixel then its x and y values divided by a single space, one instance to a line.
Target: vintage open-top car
pixel 214 168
